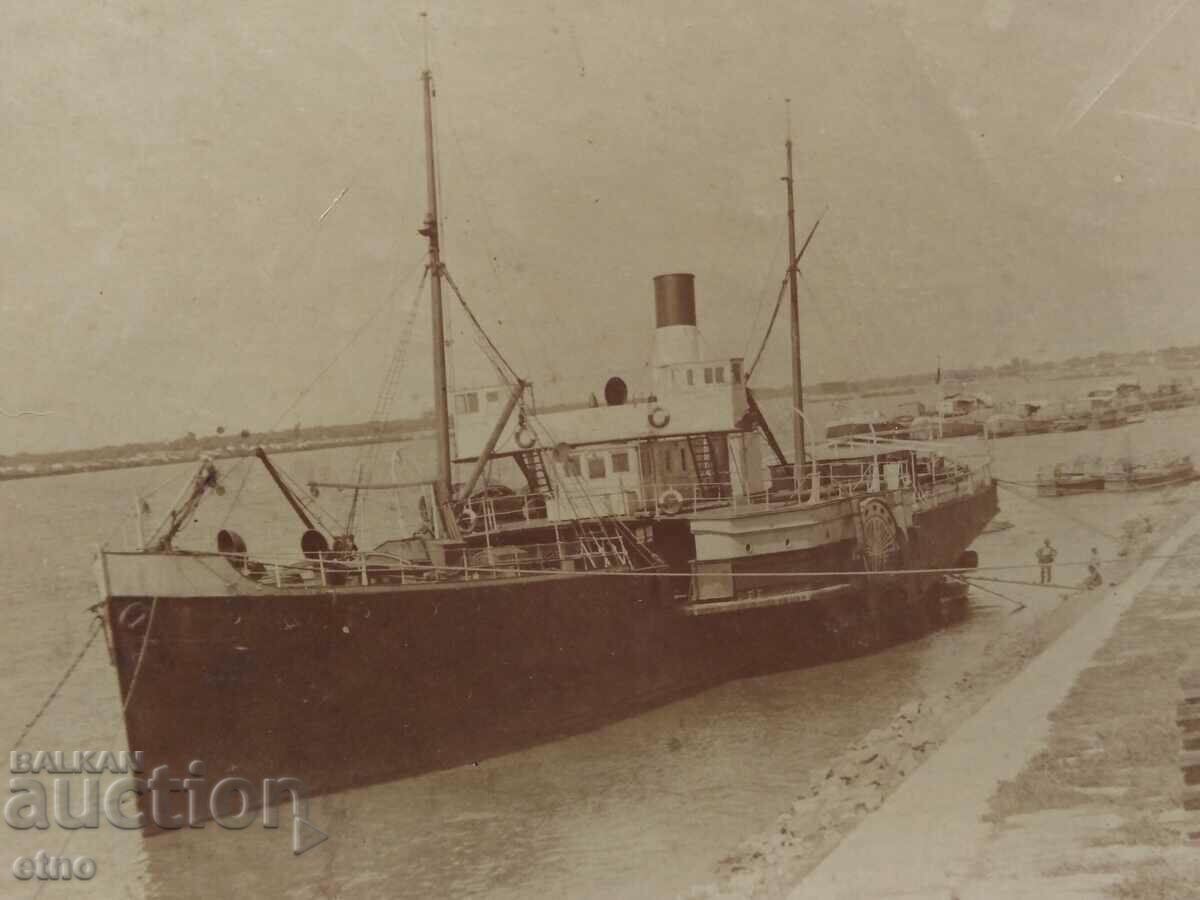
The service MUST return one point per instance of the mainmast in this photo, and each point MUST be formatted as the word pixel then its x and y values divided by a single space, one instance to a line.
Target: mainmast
pixel 794 306
pixel 441 409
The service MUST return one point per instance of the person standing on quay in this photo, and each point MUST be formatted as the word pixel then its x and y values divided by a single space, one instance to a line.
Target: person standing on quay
pixel 1045 557
pixel 1095 579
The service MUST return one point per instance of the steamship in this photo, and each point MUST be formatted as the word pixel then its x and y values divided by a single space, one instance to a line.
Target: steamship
pixel 662 542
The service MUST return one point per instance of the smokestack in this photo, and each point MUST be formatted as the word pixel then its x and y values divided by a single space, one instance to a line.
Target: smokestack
pixel 674 299
pixel 676 337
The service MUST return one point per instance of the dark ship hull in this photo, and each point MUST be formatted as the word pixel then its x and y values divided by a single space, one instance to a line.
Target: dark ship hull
pixel 351 686
pixel 428 659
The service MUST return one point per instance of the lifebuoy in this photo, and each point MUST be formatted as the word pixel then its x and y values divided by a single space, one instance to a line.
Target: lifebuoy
pixel 659 418
pixel 525 438
pixel 670 502
pixel 467 520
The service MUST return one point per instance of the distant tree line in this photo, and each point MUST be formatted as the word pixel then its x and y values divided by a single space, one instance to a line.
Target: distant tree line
pixel 220 441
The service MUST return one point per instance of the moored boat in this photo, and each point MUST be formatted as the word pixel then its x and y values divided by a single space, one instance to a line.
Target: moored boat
pixel 1072 423
pixel 648 555
pixel 1105 417
pixel 1036 417
pixel 942 427
pixel 1111 407
pixel 1174 394
pixel 1129 475
pixel 1004 425
pixel 1082 475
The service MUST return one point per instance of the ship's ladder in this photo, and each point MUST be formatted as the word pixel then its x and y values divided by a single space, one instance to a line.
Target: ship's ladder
pixel 602 547
pixel 705 465
pixel 533 467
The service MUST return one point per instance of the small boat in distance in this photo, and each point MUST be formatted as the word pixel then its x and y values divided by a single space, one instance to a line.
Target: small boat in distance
pixel 1082 475
pixel 1004 425
pixel 1174 394
pixel 1072 422
pixel 960 414
pixel 1105 417
pixel 1111 407
pixel 1036 416
pixel 1127 475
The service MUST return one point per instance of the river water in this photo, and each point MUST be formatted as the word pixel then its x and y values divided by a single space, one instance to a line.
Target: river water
pixel 643 807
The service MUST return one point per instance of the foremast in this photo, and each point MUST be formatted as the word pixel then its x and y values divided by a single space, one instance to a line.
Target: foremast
pixel 441 407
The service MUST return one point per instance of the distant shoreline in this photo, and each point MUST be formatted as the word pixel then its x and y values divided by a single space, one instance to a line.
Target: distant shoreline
pixel 175 457
pixel 191 447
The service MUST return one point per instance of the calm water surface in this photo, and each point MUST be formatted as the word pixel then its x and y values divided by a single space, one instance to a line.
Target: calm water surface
pixel 639 808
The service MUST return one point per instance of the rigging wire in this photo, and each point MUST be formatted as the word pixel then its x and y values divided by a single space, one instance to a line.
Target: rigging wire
pixel 304 392
pixel 247 469
pixel 762 294
pixel 310 505
pixel 534 322
pixel 792 264
pixel 767 334
pixel 497 358
pixel 337 356
pixel 383 403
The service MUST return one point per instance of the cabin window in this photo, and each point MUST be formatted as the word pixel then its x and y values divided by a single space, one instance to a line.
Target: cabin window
pixel 668 459
pixel 571 466
pixel 691 377
pixel 683 459
pixel 708 376
pixel 493 396
pixel 596 467
pixel 466 403
pixel 735 371
pixel 620 461
pixel 719 373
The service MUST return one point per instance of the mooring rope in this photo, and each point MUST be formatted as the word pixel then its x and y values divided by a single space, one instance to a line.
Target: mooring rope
pixel 1037 584
pixel 96 626
pixel 1056 511
pixel 948 571
pixel 137 668
pixel 1016 603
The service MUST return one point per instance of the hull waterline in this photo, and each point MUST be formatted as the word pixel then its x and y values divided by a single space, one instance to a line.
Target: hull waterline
pixel 354 686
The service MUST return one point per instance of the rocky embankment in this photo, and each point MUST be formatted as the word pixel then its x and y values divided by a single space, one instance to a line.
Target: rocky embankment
pixel 1099 811
pixel 837 797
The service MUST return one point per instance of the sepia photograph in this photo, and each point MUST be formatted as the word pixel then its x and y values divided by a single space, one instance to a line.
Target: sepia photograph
pixel 544 449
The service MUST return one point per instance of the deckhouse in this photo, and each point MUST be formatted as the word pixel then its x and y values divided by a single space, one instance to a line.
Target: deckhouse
pixel 690 439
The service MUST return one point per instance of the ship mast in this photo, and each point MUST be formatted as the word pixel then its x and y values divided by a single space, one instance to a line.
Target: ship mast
pixel 441 410
pixel 794 307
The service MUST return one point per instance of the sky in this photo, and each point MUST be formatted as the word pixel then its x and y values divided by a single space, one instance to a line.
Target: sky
pixel 208 212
